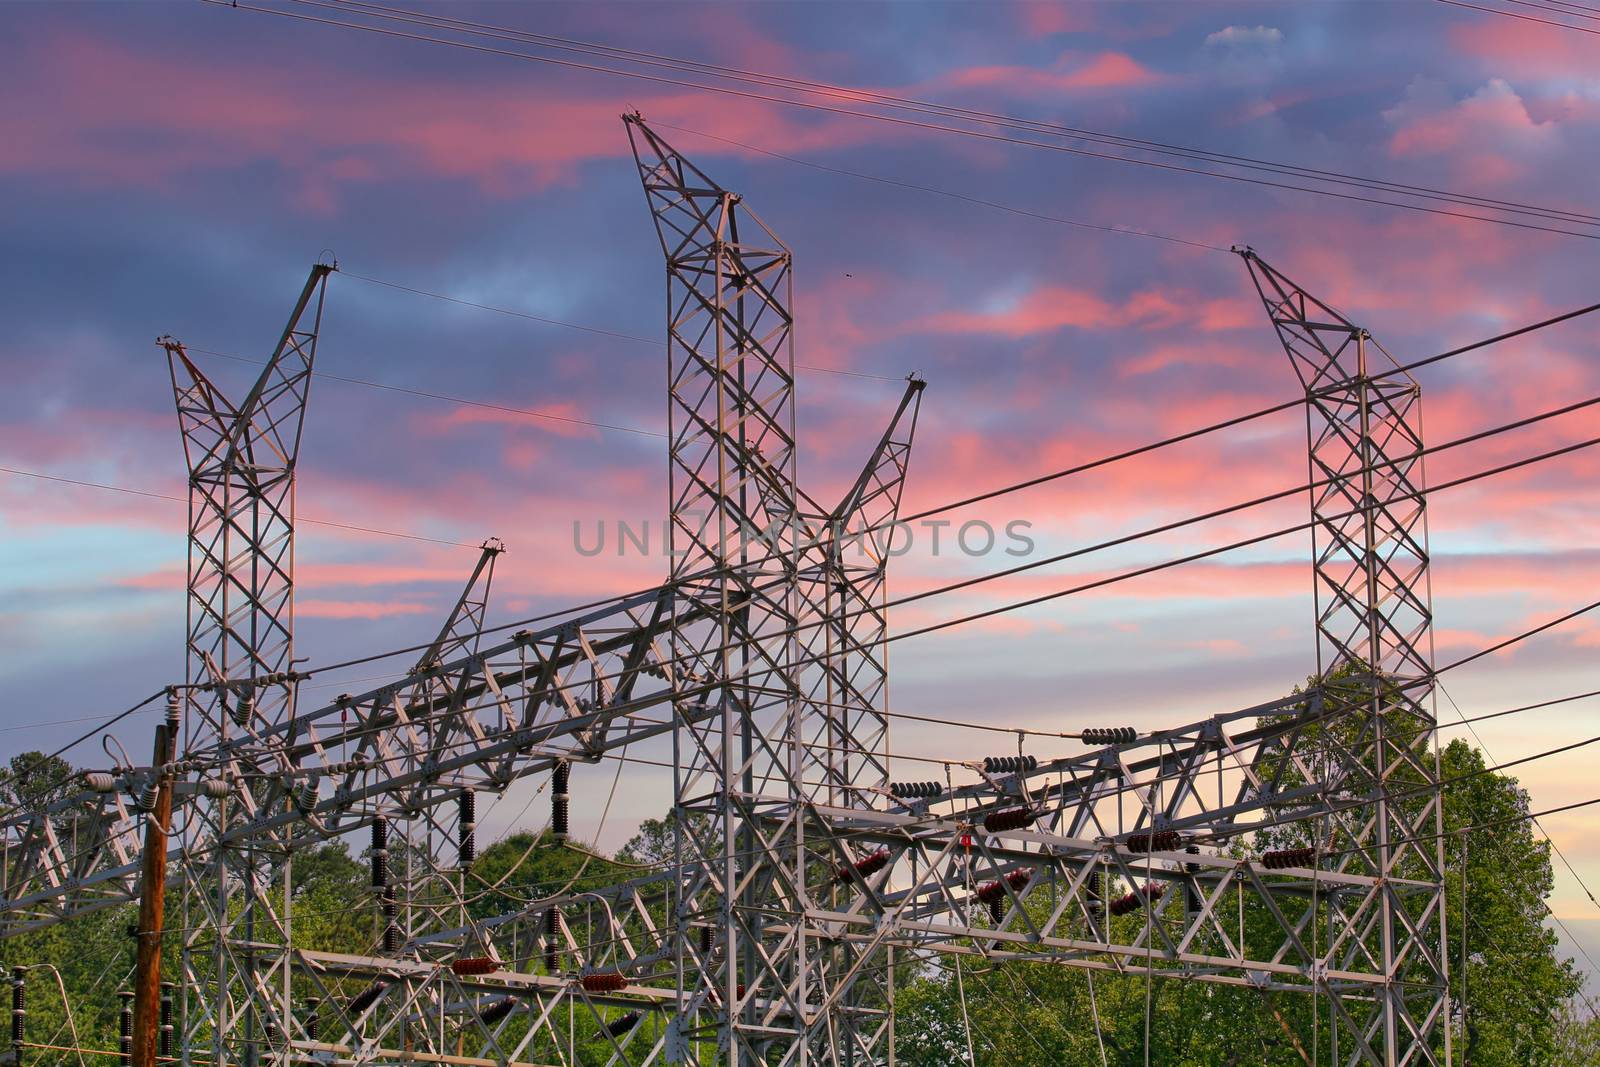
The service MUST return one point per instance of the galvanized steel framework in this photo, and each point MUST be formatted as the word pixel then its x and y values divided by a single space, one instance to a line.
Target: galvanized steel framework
pixel 799 872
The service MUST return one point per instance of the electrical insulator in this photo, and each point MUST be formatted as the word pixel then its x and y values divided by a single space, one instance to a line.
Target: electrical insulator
pixel 146 799
pixel 622 1024
pixel 100 781
pixel 1135 900
pixel 997 822
pixel 469 965
pixel 1009 764
pixel 1277 859
pixel 1094 888
pixel 391 921
pixel 245 707
pixel 993 891
pixel 270 1033
pixel 367 997
pixel 1160 841
pixel 313 1023
pixel 174 714
pixel 497 1010
pixel 164 1044
pixel 867 865
pixel 466 830
pixel 305 798
pixel 707 939
pixel 1109 735
pixel 552 946
pixel 1191 889
pixel 560 801
pixel 125 1028
pixel 915 790
pixel 604 982
pixel 19 1007
pixel 215 788
pixel 379 853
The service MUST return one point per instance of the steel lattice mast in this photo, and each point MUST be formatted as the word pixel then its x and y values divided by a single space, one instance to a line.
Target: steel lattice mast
pixel 240 644
pixel 1374 652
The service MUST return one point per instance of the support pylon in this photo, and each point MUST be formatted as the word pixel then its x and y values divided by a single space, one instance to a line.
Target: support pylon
pixel 1374 652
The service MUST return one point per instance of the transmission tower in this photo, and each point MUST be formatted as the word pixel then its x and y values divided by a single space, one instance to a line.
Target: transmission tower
pixel 804 871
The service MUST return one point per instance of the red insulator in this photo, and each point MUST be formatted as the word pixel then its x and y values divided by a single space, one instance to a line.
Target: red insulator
pixel 993 891
pixel 1277 859
pixel 1135 900
pixel 474 965
pixel 604 982
pixel 1160 841
pixel 867 865
pixel 997 822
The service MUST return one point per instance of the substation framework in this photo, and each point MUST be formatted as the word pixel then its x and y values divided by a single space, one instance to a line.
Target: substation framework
pixel 803 874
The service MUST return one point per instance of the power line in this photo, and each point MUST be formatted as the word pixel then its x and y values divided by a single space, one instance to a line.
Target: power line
pixel 934 126
pixel 949 193
pixel 1519 15
pixel 854 95
pixel 184 500
pixel 508 409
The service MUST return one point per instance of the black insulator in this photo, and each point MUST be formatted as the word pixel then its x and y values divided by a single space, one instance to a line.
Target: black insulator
pixel 1191 889
pixel 380 851
pixel 19 1005
pixel 915 790
pixel 1109 735
pixel 125 1028
pixel 270 1033
pixel 1008 819
pixel 707 939
pixel 997 911
pixel 1009 764
pixel 467 829
pixel 391 922
pixel 164 1045
pixel 1094 888
pixel 497 1010
pixel 870 864
pixel 604 982
pixel 623 1023
pixel 552 944
pixel 1135 900
pixel 313 1018
pixel 1160 841
pixel 367 997
pixel 1288 857
pixel 560 801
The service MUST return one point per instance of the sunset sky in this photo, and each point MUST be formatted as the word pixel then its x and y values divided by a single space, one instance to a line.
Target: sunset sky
pixel 176 168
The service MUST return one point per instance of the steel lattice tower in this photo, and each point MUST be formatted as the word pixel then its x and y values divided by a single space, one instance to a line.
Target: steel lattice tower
pixel 1374 658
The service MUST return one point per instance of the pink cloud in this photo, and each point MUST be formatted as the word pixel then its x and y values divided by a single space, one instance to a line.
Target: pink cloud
pixel 1048 307
pixel 1106 70
pixel 358 609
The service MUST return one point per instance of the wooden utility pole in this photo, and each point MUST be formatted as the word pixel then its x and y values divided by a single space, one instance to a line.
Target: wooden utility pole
pixel 152 897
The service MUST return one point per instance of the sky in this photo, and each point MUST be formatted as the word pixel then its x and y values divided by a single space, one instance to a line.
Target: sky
pixel 176 169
